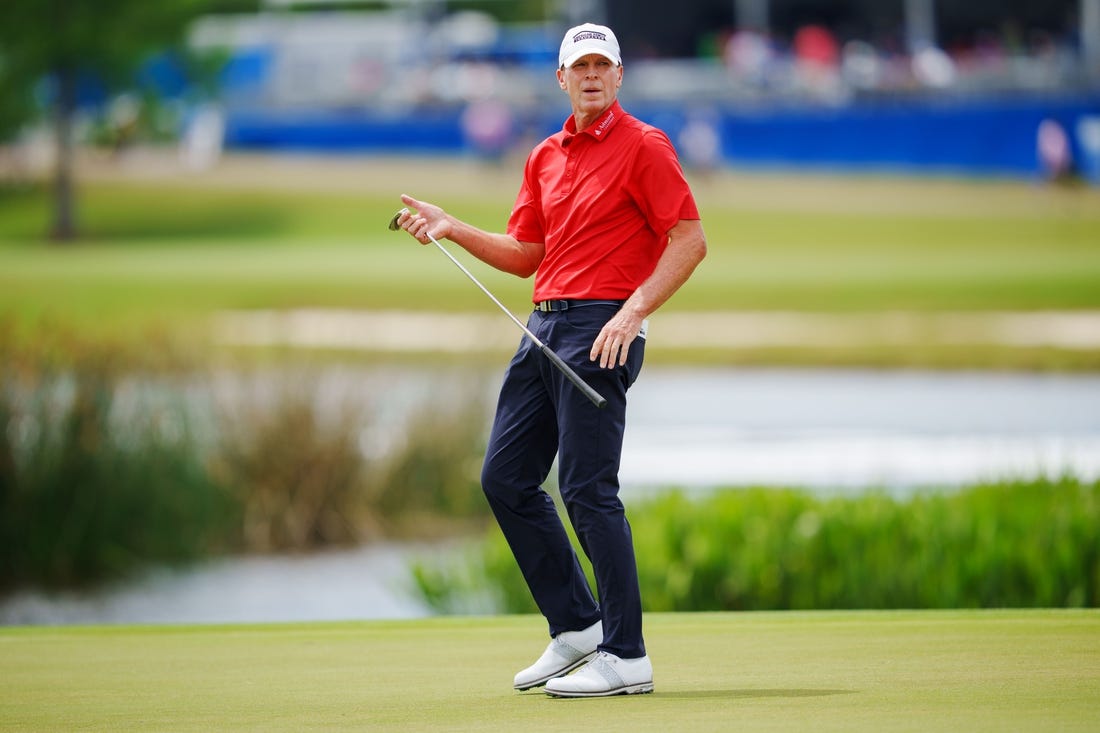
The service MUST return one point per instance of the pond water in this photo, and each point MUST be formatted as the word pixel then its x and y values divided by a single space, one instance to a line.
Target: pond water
pixel 846 430
pixel 828 430
pixel 367 583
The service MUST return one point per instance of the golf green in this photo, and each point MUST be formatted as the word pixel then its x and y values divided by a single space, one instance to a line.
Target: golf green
pixel 850 671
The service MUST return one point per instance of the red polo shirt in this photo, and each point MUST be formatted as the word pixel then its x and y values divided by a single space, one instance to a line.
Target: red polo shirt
pixel 603 202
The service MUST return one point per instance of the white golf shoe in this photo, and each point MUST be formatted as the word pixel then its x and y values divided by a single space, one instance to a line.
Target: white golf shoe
pixel 605 675
pixel 566 651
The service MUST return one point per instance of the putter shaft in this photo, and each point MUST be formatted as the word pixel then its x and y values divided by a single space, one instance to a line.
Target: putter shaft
pixel 595 397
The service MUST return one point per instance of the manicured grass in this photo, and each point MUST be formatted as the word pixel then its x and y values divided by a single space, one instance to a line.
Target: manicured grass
pixel 843 671
pixel 169 251
pixel 812 244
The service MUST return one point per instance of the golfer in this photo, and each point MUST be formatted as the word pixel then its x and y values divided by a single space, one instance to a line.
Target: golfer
pixel 608 226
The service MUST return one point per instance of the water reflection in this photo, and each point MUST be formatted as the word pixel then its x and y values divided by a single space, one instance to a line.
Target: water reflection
pixel 367 583
pixel 852 429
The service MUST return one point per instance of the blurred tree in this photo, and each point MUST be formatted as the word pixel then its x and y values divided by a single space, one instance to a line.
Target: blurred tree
pixel 48 46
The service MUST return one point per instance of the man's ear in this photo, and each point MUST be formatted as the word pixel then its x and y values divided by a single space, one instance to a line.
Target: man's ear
pixel 561 79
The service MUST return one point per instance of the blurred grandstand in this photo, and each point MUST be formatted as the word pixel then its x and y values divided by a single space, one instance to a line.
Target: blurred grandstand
pixel 1002 87
pixel 905 84
pixel 836 51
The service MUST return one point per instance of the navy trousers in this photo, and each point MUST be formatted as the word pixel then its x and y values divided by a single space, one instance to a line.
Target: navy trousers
pixel 540 414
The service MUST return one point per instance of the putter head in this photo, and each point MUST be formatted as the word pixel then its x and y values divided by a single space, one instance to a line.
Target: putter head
pixel 393 221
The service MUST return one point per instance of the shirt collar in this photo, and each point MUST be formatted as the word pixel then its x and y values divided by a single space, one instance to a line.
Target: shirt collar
pixel 599 129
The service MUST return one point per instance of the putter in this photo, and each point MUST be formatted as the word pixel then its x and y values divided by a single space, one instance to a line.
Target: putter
pixel 556 360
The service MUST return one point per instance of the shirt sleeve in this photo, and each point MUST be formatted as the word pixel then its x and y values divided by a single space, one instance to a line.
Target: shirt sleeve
pixel 525 222
pixel 658 185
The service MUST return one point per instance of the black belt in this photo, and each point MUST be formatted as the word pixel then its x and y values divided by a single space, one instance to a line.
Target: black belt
pixel 552 306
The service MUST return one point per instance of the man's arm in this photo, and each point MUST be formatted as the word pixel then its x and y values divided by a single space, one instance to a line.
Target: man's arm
pixel 501 251
pixel 687 246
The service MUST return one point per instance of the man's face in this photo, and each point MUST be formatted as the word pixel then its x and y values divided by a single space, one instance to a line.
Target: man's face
pixel 592 83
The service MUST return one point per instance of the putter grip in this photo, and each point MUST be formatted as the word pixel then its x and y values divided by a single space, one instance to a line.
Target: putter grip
pixel 588 392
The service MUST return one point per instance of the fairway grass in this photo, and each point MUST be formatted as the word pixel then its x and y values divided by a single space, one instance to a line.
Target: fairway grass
pixel 167 252
pixel 845 671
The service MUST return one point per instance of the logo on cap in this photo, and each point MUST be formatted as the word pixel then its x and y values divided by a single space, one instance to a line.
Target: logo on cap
pixel 589 35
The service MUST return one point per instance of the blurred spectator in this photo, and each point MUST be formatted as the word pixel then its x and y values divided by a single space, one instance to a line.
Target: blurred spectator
pixel 1088 140
pixel 817 58
pixel 932 67
pixel 201 145
pixel 860 65
pixel 488 127
pixel 814 45
pixel 700 144
pixel 1053 148
pixel 748 56
pixel 123 118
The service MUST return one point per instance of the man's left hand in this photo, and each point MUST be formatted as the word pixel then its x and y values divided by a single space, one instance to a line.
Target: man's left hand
pixel 610 347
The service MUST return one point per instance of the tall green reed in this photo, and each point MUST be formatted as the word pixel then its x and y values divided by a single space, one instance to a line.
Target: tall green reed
pixel 1012 544
pixel 114 458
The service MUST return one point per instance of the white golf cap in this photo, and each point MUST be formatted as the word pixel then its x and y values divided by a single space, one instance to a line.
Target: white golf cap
pixel 588 38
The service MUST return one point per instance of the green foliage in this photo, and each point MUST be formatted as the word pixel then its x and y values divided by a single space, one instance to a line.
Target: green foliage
pixel 434 475
pixel 296 478
pixel 481 578
pixel 105 36
pixel 303 481
pixel 1027 544
pixel 16 103
pixel 86 496
pixel 58 44
pixel 113 459
pixel 1015 544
